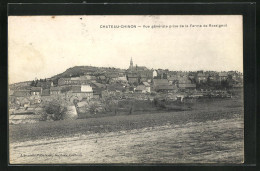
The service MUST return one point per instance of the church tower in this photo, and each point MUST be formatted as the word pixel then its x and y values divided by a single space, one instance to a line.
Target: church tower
pixel 131 67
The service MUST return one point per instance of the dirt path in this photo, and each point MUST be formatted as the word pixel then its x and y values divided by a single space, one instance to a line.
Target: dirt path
pixel 195 142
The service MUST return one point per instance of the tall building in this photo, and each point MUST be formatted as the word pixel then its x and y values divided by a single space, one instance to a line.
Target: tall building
pixel 131 67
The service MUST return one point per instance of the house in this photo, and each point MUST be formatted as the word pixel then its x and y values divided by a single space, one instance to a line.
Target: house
pixel 192 78
pixel 102 79
pixel 130 89
pixel 235 77
pixel 36 91
pixel 166 88
pixel 146 84
pixel 181 74
pixel 201 78
pixel 240 75
pixel 97 88
pixel 140 68
pixel 45 92
pixel 76 89
pixel 81 88
pixel 122 78
pixel 223 76
pixel 82 91
pixel 112 77
pixel 55 90
pixel 148 74
pixel 172 79
pixel 132 78
pixel 157 82
pixel 184 80
pixel 231 82
pixel 154 73
pixel 213 77
pixel 143 78
pixel 160 73
pixel 86 88
pixel 185 83
pixel 147 87
pixel 140 89
pixel 96 85
pixel 187 86
pixel 162 85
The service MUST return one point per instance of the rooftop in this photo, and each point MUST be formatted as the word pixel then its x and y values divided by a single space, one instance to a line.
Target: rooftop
pixel 187 85
pixel 36 89
pixel 166 87
pixel 223 74
pixel 55 88
pixel 146 84
pixel 201 75
pixel 140 88
pixel 158 82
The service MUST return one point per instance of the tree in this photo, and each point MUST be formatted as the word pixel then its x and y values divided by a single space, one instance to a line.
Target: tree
pixel 131 108
pixel 36 82
pixel 164 76
pixel 135 84
pixel 33 83
pixel 93 108
pixel 55 81
pixel 110 103
pixel 55 109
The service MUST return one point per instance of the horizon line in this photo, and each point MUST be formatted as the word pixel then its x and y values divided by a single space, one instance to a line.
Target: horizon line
pixel 204 70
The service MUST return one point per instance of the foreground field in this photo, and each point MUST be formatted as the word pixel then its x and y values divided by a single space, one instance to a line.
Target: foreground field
pixel 211 133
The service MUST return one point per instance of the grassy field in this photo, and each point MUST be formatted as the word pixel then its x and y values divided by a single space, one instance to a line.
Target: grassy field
pixel 218 141
pixel 212 132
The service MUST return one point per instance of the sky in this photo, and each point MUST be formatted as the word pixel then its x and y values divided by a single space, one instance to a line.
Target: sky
pixel 43 46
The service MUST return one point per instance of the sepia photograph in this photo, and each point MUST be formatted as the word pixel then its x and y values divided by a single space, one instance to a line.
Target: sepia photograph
pixel 126 89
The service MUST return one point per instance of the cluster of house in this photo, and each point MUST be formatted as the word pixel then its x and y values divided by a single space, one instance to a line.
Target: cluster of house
pixel 136 79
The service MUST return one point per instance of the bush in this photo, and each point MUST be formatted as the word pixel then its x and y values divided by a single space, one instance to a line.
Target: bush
pixel 155 101
pixel 159 103
pixel 43 117
pixel 55 109
pixel 153 94
pixel 93 108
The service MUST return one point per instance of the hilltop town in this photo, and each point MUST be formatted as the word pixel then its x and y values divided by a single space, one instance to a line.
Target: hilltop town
pixel 139 79
pixel 88 84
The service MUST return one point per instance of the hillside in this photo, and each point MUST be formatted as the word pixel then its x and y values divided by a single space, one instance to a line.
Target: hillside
pixel 81 70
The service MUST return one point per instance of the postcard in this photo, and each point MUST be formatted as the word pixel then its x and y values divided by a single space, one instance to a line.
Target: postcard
pixel 126 89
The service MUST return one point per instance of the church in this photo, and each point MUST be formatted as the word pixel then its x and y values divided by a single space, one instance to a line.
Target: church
pixel 133 68
pixel 138 74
